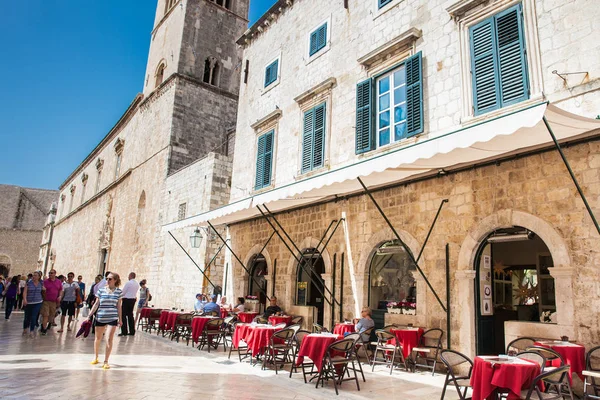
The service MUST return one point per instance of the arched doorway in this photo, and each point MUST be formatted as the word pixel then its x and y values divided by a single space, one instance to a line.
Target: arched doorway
pixel 391 280
pixel 513 282
pixel 257 281
pixel 309 291
pixel 5 264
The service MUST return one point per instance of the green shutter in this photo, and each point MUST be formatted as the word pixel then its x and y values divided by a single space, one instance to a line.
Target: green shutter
pixel 318 39
pixel 271 72
pixel 314 42
pixel 364 126
pixel 484 68
pixel 307 140
pixel 511 56
pixel 414 95
pixel 319 137
pixel 264 160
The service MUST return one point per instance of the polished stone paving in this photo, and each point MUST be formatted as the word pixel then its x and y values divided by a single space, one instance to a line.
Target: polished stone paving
pixel 151 367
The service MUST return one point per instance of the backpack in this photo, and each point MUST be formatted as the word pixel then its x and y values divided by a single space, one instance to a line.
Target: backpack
pixel 149 295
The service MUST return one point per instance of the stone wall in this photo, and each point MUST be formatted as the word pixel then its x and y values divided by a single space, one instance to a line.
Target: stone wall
pixel 22 248
pixel 532 191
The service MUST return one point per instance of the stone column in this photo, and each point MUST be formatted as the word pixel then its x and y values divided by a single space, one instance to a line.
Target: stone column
pixel 327 280
pixel 563 290
pixel 421 299
pixel 464 310
pixel 360 298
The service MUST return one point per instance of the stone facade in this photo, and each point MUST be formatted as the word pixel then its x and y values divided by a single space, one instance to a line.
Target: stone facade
pixel 167 145
pixel 532 190
pixel 22 215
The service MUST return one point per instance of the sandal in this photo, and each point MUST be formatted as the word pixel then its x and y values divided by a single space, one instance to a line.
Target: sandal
pixel 106 366
pixel 95 361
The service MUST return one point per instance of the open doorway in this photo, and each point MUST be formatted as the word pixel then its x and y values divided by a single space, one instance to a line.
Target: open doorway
pixel 308 291
pixel 513 283
pixel 5 264
pixel 258 269
pixel 103 261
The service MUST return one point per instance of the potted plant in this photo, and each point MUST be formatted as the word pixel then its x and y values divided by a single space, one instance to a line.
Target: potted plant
pixel 393 308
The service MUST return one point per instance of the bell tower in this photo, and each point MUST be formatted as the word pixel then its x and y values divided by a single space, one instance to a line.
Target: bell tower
pixel 193 46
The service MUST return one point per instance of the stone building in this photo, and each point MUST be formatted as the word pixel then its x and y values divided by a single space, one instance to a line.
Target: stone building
pixel 138 177
pixel 434 105
pixel 22 217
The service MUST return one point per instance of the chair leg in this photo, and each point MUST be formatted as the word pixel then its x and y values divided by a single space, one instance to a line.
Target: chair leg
pixel 433 368
pixel 444 389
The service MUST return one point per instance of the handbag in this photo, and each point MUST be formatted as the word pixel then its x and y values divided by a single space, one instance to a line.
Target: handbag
pixel 78 300
pixel 85 312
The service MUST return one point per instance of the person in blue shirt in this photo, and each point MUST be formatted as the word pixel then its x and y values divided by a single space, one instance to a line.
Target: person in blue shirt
pixel 200 302
pixel 212 306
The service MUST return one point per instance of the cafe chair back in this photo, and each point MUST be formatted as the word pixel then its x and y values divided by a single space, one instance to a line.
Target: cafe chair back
pixel 357 344
pixel 319 328
pixel 533 356
pixel 454 360
pixel 296 344
pixel 242 346
pixel 338 357
pixel 153 318
pixel 295 327
pixel 591 383
pixel 426 354
pixel 212 335
pixel 388 351
pixel 298 320
pixel 279 351
pixel 520 344
pixel 556 383
pixel 550 355
pixel 182 328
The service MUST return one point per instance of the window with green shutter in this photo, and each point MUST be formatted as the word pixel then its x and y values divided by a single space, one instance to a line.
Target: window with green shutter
pixel 382 3
pixel 318 39
pixel 264 160
pixel 313 138
pixel 498 61
pixel 389 107
pixel 271 72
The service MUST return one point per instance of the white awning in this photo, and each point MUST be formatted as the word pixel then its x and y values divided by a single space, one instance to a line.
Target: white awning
pixel 504 135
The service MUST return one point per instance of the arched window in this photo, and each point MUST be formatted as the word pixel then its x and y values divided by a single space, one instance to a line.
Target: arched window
pixel 160 74
pixel 139 222
pixel 223 3
pixel 212 70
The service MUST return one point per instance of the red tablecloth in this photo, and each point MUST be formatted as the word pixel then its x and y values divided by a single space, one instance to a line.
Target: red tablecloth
pixel 314 346
pixel 259 337
pixel 224 313
pixel 573 354
pixel 198 326
pixel 274 320
pixel 408 337
pixel 240 333
pixel 145 312
pixel 162 322
pixel 247 317
pixel 340 329
pixel 514 375
pixel 171 320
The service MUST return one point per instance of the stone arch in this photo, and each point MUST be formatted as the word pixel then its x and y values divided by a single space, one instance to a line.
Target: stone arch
pixel 378 238
pixel 255 250
pixel 5 264
pixel 308 243
pixel 159 75
pixel 465 275
pixel 242 286
pixel 139 221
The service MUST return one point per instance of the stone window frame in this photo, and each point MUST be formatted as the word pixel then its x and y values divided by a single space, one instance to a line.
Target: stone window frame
pixel 84 179
pixel 119 145
pixel 379 11
pixel 268 123
pixel 315 96
pixel 182 211
pixel 99 165
pixel 276 82
pixel 320 52
pixel 214 71
pixel 63 197
pixel 160 73
pixel 72 190
pixel 467 13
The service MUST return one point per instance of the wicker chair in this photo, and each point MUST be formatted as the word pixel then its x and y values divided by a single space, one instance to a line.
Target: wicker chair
pixel 280 349
pixel 556 379
pixel 533 356
pixel 550 355
pixel 391 354
pixel 428 350
pixel 280 326
pixel 591 382
pixel 520 344
pixel 335 366
pixel 451 360
pixel 212 335
pixel 296 343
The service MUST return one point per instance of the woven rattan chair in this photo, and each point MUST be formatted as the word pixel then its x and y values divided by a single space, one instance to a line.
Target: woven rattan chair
pixel 391 354
pixel 462 383
pixel 428 350
pixel 591 383
pixel 280 326
pixel 296 343
pixel 556 380
pixel 550 355
pixel 520 344
pixel 336 366
pixel 295 327
pixel 280 349
pixel 228 329
pixel 212 335
pixel 534 356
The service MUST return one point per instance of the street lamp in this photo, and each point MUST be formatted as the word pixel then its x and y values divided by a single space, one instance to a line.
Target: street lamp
pixel 196 238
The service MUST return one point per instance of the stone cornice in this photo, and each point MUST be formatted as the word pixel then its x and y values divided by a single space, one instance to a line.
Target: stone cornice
pixel 264 22
pixel 322 87
pixel 272 116
pixel 403 41
pixel 459 8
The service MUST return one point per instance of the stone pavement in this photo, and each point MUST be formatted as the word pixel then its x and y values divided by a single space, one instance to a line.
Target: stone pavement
pixel 150 367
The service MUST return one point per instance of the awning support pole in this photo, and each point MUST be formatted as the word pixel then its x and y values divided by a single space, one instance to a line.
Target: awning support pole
pixel 564 158
pixel 310 271
pixel 238 259
pixel 410 254
pixel 431 228
pixel 448 296
pixel 190 257
pixel 299 260
pixel 342 289
pixel 333 290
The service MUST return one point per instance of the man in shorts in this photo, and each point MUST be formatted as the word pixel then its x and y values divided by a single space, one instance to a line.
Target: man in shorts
pixel 53 292
pixel 67 303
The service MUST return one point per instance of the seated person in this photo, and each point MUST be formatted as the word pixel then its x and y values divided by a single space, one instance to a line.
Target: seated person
pixel 223 304
pixel 213 306
pixel 273 309
pixel 240 306
pixel 200 302
pixel 364 322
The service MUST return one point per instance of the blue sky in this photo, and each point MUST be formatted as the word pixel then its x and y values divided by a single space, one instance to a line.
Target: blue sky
pixel 70 68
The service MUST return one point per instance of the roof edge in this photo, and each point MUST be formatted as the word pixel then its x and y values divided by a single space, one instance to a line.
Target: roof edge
pixel 264 20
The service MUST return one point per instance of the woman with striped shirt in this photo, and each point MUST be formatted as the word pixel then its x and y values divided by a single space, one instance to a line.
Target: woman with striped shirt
pixel 32 301
pixel 108 315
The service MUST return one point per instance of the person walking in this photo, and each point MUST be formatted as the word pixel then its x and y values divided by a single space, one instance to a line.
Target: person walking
pixel 67 301
pixel 10 293
pixel 22 283
pixel 107 309
pixel 143 301
pixel 33 302
pixel 92 295
pixel 130 291
pixel 101 284
pixel 52 298
pixel 81 296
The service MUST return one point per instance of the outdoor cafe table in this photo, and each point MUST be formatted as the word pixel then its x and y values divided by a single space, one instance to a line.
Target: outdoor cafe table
pixel 258 337
pixel 145 313
pixel 573 354
pixel 341 328
pixel 198 326
pixel 491 373
pixel 247 317
pixel 240 333
pixel 408 337
pixel 162 322
pixel 171 320
pixel 278 319
pixel 224 313
pixel 314 346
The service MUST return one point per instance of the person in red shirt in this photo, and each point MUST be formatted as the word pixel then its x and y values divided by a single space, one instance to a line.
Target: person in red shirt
pixel 53 292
